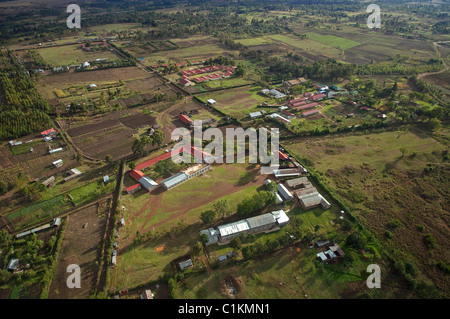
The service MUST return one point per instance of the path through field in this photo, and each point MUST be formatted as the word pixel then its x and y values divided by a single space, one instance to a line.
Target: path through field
pixel 436 47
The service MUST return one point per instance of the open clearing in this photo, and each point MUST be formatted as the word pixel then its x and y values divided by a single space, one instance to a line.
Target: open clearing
pixel 81 245
pixel 72 55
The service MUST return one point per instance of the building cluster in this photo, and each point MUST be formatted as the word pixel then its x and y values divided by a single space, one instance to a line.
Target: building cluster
pixel 222 72
pixel 307 194
pixel 331 253
pixel 174 180
pixel 269 222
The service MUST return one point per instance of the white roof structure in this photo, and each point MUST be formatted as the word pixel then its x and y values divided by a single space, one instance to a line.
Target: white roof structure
pixel 211 101
pixel 147 182
pixel 284 192
pixel 278 116
pixel 57 162
pixel 255 114
pixel 280 216
pixel 55 150
pixel 233 228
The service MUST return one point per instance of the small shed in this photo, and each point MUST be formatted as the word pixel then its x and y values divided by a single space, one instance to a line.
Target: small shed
pixel 13 264
pixel 211 102
pixel 186 264
pixel 147 294
pixel 105 179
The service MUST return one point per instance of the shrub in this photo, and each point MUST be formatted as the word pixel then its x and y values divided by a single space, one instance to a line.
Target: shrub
pixel 429 241
pixel 388 234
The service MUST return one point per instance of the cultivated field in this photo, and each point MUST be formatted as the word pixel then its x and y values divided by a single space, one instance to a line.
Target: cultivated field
pixel 72 55
pixel 81 245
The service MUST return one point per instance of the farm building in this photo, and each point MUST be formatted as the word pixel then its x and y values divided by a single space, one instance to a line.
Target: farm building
pixel 147 294
pixel 136 174
pixel 185 119
pixel 282 156
pixel 186 264
pixel 255 115
pixel 262 223
pixel 333 254
pixel 306 106
pixel 364 108
pixel 133 188
pixel 382 116
pixel 106 179
pixel 13 264
pixel 49 132
pixel 58 163
pixel 279 118
pixel 15 143
pixel 56 150
pixel 211 102
pixel 310 113
pixel 318 97
pixel 72 174
pixel 293 82
pixel 288 172
pixel 288 114
pixel 49 182
pixel 148 183
pixel 283 191
pixel 56 222
pixel 311 198
pixel 299 182
pixel 174 180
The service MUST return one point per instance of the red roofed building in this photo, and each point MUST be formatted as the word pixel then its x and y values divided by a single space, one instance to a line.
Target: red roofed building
pixel 282 156
pixel 307 106
pixel 288 114
pixel 318 97
pixel 136 174
pixel 364 108
pixel 310 113
pixel 133 188
pixel 48 132
pixel 351 103
pixel 185 119
pixel 295 104
pixel 308 94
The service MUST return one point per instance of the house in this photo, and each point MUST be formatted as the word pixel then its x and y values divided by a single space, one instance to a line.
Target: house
pixel 185 119
pixel 49 182
pixel 136 175
pixel 310 113
pixel 186 264
pixel 133 188
pixel 277 94
pixel 306 106
pixel 282 156
pixel 352 103
pixel 56 150
pixel 58 163
pixel 72 174
pixel 56 222
pixel 186 82
pixel 382 116
pixel 92 86
pixel 364 108
pixel 310 198
pixel 299 182
pixel 49 132
pixel 318 97
pixel 147 294
pixel 255 115
pixel 280 118
pixel 288 114
pixel 333 254
pixel 211 102
pixel 293 82
pixel 13 264
pixel 15 143
pixel 288 172
pixel 283 191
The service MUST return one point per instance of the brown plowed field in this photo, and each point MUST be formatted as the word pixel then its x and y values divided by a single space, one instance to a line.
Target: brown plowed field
pixel 80 246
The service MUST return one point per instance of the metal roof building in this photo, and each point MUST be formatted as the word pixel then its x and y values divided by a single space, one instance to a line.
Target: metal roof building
pixel 296 182
pixel 233 228
pixel 148 183
pixel 186 264
pixel 284 192
pixel 213 235
pixel 261 221
pixel 174 180
pixel 13 264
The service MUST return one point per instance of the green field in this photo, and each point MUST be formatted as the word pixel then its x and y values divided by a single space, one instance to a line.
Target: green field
pixel 72 54
pixel 332 40
pixel 386 176
pixel 307 45
pixel 255 41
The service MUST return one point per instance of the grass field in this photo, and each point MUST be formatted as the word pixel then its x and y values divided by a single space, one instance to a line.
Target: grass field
pixel 72 54
pixel 255 41
pixel 396 175
pixel 308 45
pixel 332 40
